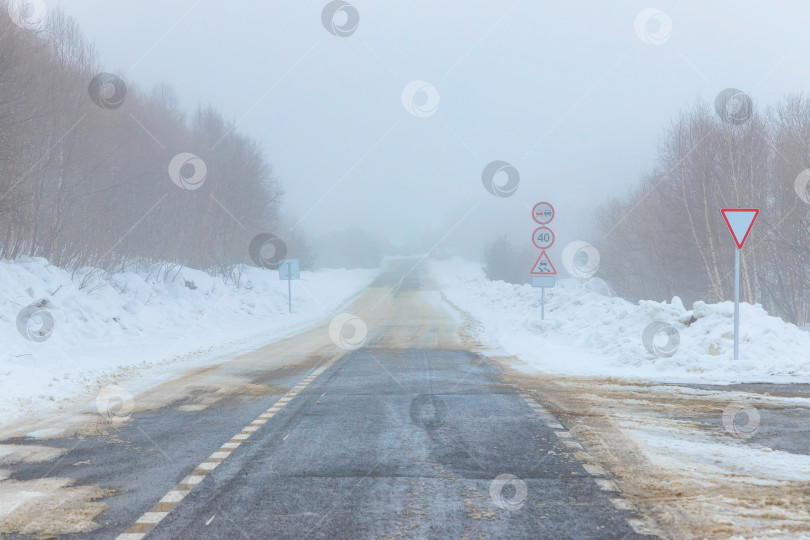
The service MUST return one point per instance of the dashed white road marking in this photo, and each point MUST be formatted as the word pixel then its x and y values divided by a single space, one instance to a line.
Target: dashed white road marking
pixel 150 519
pixel 640 527
pixel 153 517
pixel 173 496
pixel 605 484
pixel 597 473
pixel 572 444
pixel 622 504
pixel 594 469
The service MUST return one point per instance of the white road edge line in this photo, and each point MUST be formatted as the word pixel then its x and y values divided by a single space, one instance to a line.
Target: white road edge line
pixel 598 474
pixel 149 520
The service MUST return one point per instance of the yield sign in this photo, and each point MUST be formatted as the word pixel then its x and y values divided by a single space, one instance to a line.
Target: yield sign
pixel 740 221
pixel 543 266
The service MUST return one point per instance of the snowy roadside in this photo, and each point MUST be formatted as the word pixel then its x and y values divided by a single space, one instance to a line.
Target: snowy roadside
pixel 719 462
pixel 589 333
pixel 137 325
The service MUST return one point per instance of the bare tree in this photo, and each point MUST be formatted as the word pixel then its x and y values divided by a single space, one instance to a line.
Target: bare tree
pixel 667 237
pixel 85 182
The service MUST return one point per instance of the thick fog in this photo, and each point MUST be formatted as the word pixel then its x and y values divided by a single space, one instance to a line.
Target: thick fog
pixel 574 95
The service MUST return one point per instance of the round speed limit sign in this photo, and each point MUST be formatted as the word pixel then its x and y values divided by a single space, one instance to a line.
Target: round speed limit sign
pixel 543 237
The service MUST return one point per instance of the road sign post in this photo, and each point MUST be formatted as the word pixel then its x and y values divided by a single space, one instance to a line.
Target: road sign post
pixel 289 269
pixel 543 272
pixel 739 222
pixel 737 304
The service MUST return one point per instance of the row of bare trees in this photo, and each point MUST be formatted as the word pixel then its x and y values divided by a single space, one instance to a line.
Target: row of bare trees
pixel 86 174
pixel 667 237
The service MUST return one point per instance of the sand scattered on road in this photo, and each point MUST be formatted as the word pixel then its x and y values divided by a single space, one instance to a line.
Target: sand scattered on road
pixel 45 507
pixel 49 507
pixel 669 452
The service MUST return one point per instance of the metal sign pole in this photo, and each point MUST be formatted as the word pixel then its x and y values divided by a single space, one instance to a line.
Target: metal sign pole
pixel 543 305
pixel 739 221
pixel 289 269
pixel 737 304
pixel 289 284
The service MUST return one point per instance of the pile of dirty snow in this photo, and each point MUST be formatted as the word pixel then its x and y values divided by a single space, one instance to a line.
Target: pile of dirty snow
pixel 589 332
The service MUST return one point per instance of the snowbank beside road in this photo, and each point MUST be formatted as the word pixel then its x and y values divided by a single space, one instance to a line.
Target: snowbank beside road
pixel 588 332
pixel 135 322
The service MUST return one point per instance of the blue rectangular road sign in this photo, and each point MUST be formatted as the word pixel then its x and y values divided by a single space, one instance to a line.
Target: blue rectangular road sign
pixel 288 269
pixel 543 281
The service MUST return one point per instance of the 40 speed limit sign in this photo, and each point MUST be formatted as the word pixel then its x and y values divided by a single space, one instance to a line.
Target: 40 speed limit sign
pixel 543 237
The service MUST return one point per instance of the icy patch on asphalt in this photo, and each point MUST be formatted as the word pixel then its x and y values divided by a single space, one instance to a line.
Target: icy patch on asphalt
pixel 674 457
pixel 725 486
pixel 587 332
pixel 679 446
pixel 136 324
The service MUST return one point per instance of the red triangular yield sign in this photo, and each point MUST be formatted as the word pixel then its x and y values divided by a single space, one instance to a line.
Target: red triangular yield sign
pixel 740 221
pixel 543 266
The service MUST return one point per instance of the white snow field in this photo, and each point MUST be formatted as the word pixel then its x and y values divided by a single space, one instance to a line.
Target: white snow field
pixel 588 332
pixel 137 324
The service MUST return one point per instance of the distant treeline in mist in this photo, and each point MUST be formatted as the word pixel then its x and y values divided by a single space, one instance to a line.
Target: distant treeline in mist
pixel 667 237
pixel 505 262
pixel 354 247
pixel 84 164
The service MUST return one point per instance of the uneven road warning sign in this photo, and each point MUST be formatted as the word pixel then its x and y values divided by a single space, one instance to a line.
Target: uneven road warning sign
pixel 740 221
pixel 543 266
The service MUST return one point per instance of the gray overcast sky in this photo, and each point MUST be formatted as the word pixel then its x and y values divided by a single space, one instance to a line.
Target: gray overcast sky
pixel 566 92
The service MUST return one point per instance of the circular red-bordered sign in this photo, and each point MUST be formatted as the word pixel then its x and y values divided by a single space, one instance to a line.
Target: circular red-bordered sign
pixel 543 213
pixel 543 237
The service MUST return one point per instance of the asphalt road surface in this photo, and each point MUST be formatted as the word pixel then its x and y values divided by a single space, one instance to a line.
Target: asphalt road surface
pixel 408 436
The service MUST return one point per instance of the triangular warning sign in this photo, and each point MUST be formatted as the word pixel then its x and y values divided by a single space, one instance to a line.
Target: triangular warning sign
pixel 543 266
pixel 740 221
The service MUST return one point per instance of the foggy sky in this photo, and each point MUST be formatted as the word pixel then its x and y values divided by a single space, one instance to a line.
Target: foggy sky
pixel 566 92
